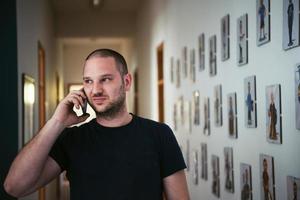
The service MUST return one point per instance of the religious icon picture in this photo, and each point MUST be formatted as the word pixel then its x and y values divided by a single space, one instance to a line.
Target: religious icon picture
pixel 246 181
pixel 181 110
pixel 188 116
pixel 178 73
pixel 204 161
pixel 206 128
pixel 218 105
pixel 187 155
pixel 196 107
pixel 273 114
pixel 172 69
pixel 195 166
pixel 250 102
pixel 225 41
pixel 185 61
pixel 192 66
pixel 215 175
pixel 175 116
pixel 228 169
pixel 201 52
pixel 213 55
pixel 297 95
pixel 290 24
pixel 267 177
pixel 262 22
pixel 293 188
pixel 242 40
pixel 232 115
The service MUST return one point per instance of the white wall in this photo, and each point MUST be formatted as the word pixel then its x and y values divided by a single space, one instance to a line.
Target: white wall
pixel 178 24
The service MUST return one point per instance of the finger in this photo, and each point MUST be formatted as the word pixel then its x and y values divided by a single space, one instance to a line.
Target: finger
pixel 83 117
pixel 79 99
pixel 76 103
pixel 80 93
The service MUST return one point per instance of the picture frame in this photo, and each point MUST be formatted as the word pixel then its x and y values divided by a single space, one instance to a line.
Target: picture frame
pixel 246 181
pixel 196 107
pixel 185 61
pixel 204 161
pixel 195 167
pixel 232 115
pixel 250 102
pixel 201 51
pixel 242 40
pixel 215 175
pixel 225 39
pixel 172 69
pixel 187 155
pixel 192 66
pixel 297 95
pixel 293 188
pixel 263 21
pixel 273 114
pixel 175 116
pixel 218 108
pixel 206 110
pixel 188 116
pixel 178 76
pixel 267 177
pixel 213 55
pixel 291 25
pixel 28 104
pixel 228 169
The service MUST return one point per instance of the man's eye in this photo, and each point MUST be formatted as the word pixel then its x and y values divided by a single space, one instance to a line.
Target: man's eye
pixel 87 81
pixel 106 79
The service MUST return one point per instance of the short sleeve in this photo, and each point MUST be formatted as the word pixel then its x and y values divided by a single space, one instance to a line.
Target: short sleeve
pixel 171 158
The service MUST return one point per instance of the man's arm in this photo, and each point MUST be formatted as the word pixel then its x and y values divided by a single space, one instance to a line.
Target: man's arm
pixel 175 186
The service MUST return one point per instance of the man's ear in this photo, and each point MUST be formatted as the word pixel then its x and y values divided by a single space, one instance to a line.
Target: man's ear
pixel 127 81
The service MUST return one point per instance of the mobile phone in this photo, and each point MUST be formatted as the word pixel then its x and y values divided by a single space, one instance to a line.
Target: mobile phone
pixel 84 107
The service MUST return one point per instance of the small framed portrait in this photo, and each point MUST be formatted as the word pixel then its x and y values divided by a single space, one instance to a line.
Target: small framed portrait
pixel 187 155
pixel 181 110
pixel 228 168
pixel 246 181
pixel 213 55
pixel 225 40
pixel 188 116
pixel 267 177
pixel 175 117
pixel 297 95
pixel 218 105
pixel 195 167
pixel 192 66
pixel 178 76
pixel 290 24
pixel 293 188
pixel 196 107
pixel 262 22
pixel 232 115
pixel 201 51
pixel 250 102
pixel 206 128
pixel 215 175
pixel 242 40
pixel 172 69
pixel 273 114
pixel 204 161
pixel 185 61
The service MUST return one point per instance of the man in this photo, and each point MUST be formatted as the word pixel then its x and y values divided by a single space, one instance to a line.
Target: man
pixel 262 11
pixel 272 113
pixel 249 104
pixel 265 177
pixel 290 13
pixel 116 156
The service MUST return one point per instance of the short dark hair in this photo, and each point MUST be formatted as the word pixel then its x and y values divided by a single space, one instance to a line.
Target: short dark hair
pixel 120 61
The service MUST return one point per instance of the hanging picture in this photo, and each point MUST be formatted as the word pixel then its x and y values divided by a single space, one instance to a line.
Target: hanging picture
pixel 250 102
pixel 201 52
pixel 263 21
pixel 196 107
pixel 175 116
pixel 267 177
pixel 242 40
pixel 206 128
pixel 290 24
pixel 215 175
pixel 273 113
pixel 178 76
pixel 185 61
pixel 293 188
pixel 172 69
pixel 187 156
pixel 195 166
pixel 204 161
pixel 181 110
pixel 225 41
pixel 232 115
pixel 246 181
pixel 297 95
pixel 218 105
pixel 213 55
pixel 188 116
pixel 192 66
pixel 228 167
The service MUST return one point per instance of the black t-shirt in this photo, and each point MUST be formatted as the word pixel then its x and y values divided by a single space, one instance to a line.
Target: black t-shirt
pixel 120 163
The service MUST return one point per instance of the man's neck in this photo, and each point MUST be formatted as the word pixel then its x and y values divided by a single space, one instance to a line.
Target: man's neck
pixel 120 119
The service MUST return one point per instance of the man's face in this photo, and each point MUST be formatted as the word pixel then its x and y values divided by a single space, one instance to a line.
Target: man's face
pixel 104 86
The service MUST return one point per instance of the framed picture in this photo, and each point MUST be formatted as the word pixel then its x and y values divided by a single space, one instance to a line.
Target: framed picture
pixel 175 116
pixel 267 177
pixel 28 96
pixel 297 95
pixel 188 116
pixel 290 24
pixel 195 166
pixel 242 40
pixel 196 107
pixel 250 102
pixel 225 40
pixel 232 115
pixel 215 175
pixel 246 181
pixel 187 155
pixel 213 55
pixel 178 76
pixel 273 114
pixel 206 128
pixel 185 61
pixel 228 167
pixel 293 188
pixel 204 161
pixel 263 22
pixel 201 51
pixel 218 105
pixel 181 110
pixel 192 66
pixel 172 69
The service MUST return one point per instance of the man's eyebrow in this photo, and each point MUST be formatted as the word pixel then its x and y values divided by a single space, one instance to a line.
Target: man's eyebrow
pixel 101 76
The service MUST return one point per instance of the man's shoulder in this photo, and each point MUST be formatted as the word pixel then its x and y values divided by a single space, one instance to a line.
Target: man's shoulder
pixel 151 124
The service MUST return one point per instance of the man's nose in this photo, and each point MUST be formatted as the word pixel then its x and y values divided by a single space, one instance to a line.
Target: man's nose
pixel 97 88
